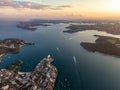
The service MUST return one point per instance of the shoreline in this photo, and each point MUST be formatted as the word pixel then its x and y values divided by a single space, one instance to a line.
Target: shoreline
pixel 42 77
pixel 2 55
pixel 107 27
pixel 11 45
pixel 104 44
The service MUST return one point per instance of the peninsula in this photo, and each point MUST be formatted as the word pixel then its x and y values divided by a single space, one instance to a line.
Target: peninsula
pixel 26 26
pixel 43 77
pixel 104 44
pixel 11 45
pixel 30 25
pixel 112 28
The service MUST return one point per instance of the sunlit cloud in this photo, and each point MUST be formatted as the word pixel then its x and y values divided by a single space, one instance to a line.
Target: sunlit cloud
pixel 61 7
pixel 31 5
pixel 16 8
pixel 22 4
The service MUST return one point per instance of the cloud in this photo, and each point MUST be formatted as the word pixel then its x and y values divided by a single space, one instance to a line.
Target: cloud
pixel 30 5
pixel 64 6
pixel 6 3
pixel 61 7
pixel 22 4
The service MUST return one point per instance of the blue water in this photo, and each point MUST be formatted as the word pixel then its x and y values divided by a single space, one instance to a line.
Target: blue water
pixel 89 71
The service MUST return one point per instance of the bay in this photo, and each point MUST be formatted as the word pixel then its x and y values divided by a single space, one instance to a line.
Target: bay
pixel 78 69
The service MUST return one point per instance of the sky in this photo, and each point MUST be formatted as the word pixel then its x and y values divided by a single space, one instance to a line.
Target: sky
pixel 60 9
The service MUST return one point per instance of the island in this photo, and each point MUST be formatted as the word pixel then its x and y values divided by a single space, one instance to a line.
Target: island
pixel 104 44
pixel 11 45
pixel 109 27
pixel 43 77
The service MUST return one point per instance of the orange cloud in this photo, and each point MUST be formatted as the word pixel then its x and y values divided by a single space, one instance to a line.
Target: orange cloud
pixel 30 5
pixel 21 4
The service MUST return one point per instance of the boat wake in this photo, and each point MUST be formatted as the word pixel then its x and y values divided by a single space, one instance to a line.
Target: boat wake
pixel 75 60
pixel 58 49
pixel 70 38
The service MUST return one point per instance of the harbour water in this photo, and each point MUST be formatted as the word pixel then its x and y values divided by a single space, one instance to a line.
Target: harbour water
pixel 78 69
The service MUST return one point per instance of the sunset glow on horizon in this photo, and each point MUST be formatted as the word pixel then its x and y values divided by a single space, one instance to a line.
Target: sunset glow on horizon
pixel 71 9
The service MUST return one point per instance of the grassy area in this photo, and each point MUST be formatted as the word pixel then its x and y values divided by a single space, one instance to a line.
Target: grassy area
pixel 105 45
pixel 112 41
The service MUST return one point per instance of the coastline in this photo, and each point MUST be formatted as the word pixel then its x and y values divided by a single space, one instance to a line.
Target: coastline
pixel 11 45
pixel 42 77
pixel 1 55
pixel 104 44
pixel 107 27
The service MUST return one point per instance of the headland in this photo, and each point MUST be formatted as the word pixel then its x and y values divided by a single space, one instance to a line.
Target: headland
pixel 30 25
pixel 104 44
pixel 11 45
pixel 43 77
pixel 112 28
